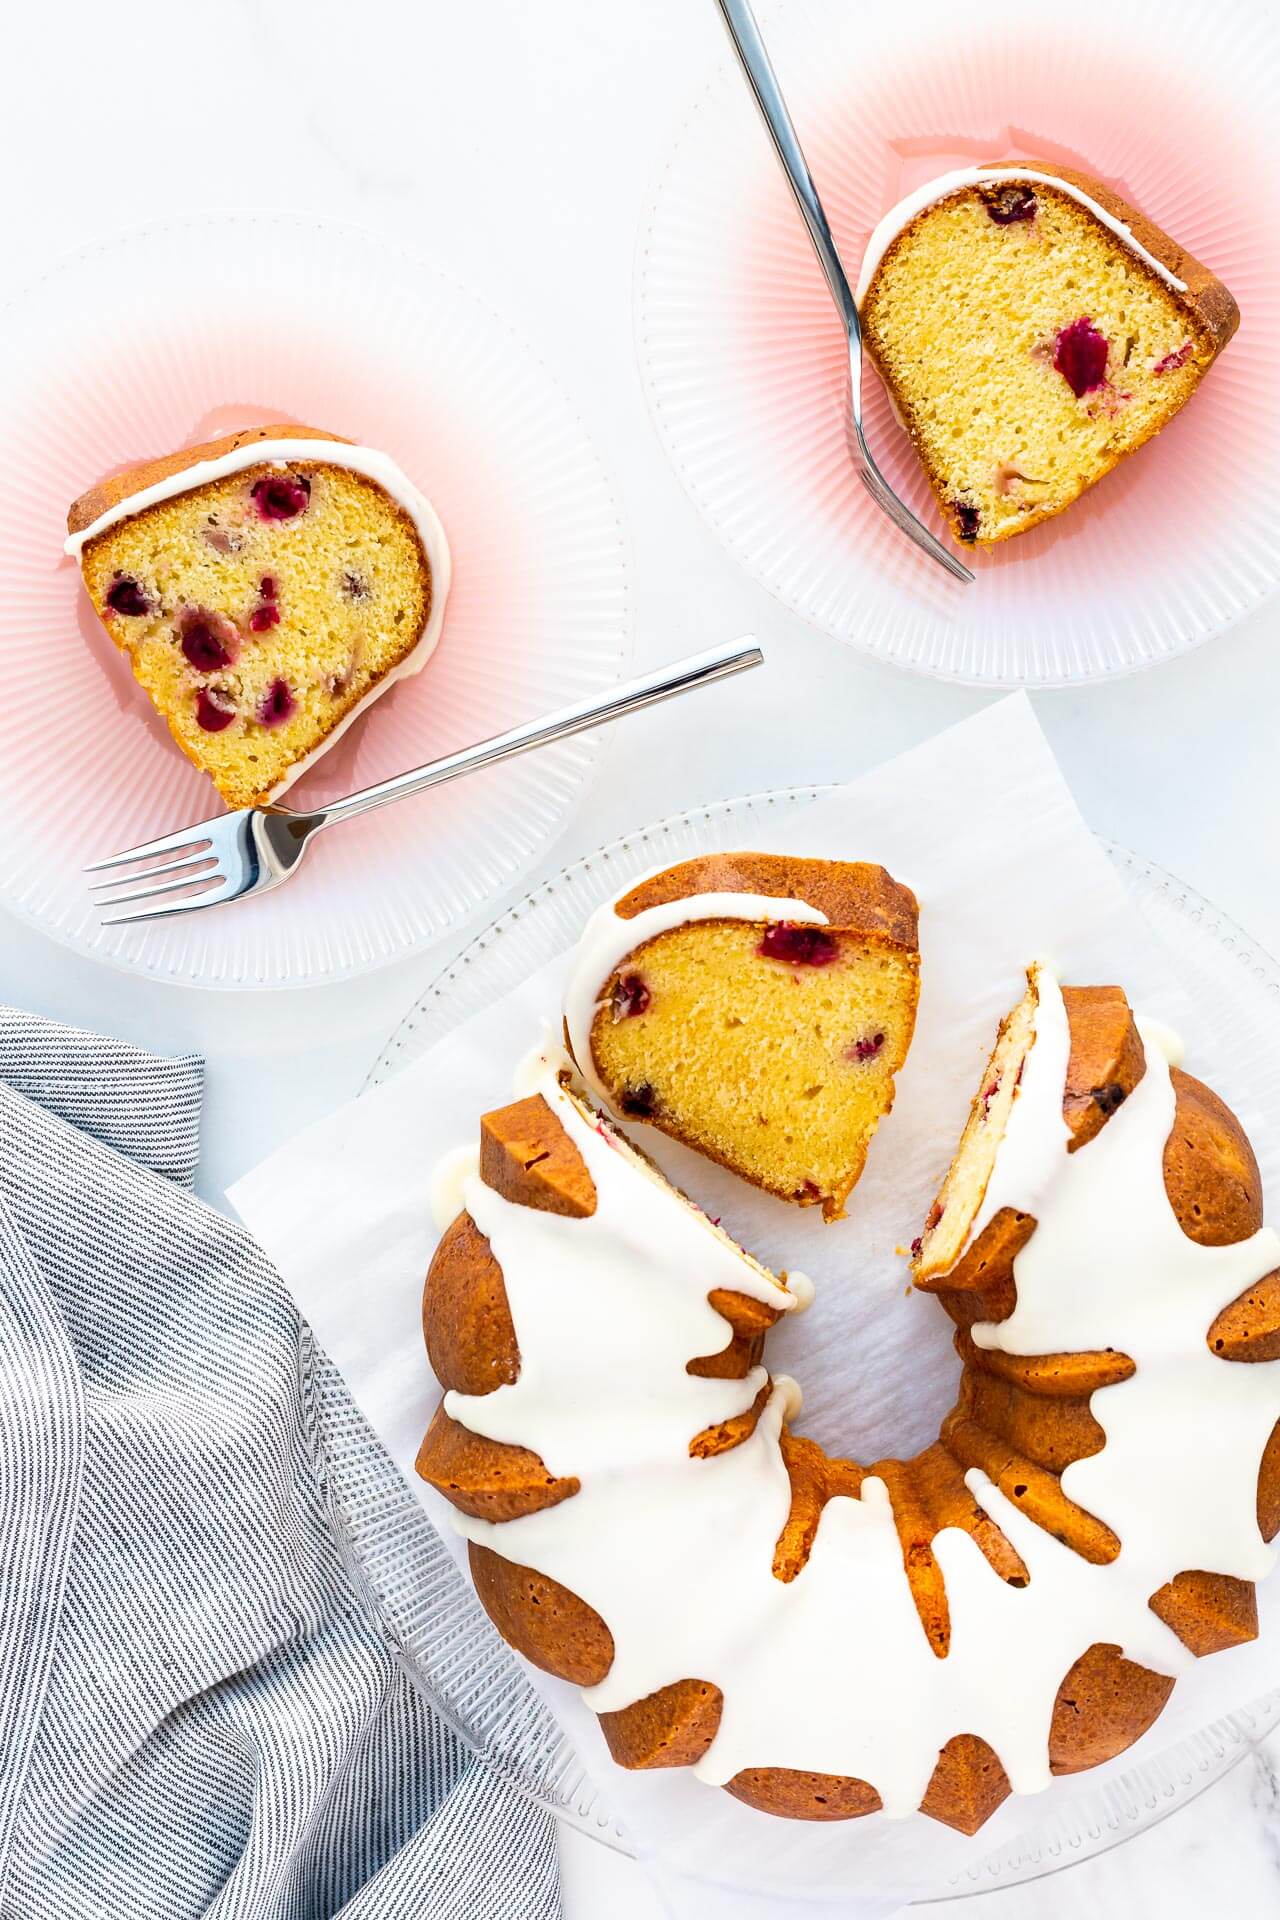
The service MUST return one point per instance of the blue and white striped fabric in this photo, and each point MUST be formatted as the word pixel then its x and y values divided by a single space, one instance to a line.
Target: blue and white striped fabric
pixel 197 1716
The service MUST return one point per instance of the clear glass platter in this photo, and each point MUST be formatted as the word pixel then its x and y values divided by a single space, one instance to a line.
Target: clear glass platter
pixel 479 1689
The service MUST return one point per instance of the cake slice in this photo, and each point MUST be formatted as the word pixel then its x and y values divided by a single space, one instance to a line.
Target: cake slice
pixel 265 589
pixel 1032 328
pixel 1105 1065
pixel 768 1041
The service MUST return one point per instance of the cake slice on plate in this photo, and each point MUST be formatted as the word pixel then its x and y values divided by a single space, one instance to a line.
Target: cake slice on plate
pixel 265 588
pixel 1032 328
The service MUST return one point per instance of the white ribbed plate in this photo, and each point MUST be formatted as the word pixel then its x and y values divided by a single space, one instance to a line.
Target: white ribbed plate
pixel 158 339
pixel 1217 963
pixel 741 352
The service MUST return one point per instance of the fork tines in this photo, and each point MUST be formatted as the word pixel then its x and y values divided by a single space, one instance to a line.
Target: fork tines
pixel 124 882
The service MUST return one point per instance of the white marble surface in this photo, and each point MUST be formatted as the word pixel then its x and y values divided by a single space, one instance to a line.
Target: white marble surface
pixel 515 144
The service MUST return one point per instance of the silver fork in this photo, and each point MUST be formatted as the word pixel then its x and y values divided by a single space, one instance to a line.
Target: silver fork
pixel 258 848
pixel 758 67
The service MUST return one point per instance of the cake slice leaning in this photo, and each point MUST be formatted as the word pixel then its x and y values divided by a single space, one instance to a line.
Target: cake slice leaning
pixel 755 1007
pixel 1032 328
pixel 265 589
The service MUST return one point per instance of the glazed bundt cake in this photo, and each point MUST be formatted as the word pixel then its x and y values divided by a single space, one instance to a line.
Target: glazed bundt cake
pixel 824 1639
pixel 265 588
pixel 1032 328
pixel 755 1007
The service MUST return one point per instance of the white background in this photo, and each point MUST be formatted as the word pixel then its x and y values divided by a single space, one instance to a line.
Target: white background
pixel 516 143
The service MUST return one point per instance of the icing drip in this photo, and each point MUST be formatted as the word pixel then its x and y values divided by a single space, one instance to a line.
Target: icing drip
pixel 831 1671
pixel 448 1181
pixel 549 1056
pixel 611 1340
pixel 1140 1285
pixel 607 939
pixel 803 1289
pixel 904 213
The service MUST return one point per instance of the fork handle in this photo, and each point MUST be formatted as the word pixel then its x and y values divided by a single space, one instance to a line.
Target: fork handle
pixel 758 67
pixel 682 676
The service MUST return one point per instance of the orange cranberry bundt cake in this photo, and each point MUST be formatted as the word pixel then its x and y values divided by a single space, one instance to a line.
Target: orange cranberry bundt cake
pixel 265 589
pixel 824 1639
pixel 755 1007
pixel 1032 328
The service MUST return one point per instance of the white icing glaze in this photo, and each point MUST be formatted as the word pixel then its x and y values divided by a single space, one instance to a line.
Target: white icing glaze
pixel 549 1056
pixel 1156 1034
pixel 802 1287
pixel 282 452
pixel 448 1181
pixel 607 939
pixel 904 213
pixel 642 1225
pixel 1035 1135
pixel 832 1671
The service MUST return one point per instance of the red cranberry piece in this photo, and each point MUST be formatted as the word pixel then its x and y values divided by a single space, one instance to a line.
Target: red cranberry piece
pixel 268 586
pixel 867 1048
pixel 967 518
pixel 281 496
pixel 630 996
pixel 799 945
pixel 210 714
pixel 1080 356
pixel 917 1246
pixel 127 595
pixel 262 619
pixel 641 1102
pixel 209 640
pixel 1005 205
pixel 1172 361
pixel 277 704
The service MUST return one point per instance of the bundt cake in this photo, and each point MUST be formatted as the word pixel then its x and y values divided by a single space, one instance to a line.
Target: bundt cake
pixel 265 589
pixel 824 1639
pixel 1032 328
pixel 756 1007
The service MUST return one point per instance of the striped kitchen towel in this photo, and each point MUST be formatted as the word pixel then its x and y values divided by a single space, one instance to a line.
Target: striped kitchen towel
pixel 198 1715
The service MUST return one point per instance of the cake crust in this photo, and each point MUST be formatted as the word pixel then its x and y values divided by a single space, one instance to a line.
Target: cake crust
pixel 856 894
pixel 109 492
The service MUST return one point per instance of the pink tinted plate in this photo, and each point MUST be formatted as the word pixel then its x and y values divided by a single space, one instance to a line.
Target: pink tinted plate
pixel 165 337
pixel 742 354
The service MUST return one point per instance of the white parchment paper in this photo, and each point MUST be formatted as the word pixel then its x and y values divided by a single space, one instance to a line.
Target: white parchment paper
pixel 979 821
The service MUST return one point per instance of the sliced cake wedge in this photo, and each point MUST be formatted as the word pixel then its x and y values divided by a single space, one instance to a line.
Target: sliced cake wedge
pixel 265 588
pixel 756 1007
pixel 1032 328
